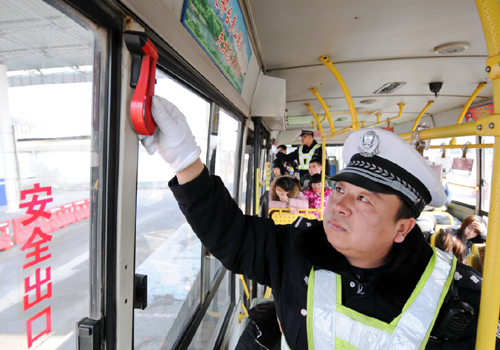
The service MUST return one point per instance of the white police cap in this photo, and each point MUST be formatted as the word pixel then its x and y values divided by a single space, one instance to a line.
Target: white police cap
pixel 382 161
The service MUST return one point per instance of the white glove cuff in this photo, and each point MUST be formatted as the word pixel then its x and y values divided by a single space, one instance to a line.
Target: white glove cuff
pixel 182 163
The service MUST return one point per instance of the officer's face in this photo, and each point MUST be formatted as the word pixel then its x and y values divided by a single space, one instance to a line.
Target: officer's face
pixel 361 225
pixel 307 140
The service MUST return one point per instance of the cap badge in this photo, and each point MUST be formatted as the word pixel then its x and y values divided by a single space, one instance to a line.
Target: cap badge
pixel 368 144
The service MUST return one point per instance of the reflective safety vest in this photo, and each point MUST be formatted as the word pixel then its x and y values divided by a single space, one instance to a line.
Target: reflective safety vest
pixel 305 158
pixel 330 325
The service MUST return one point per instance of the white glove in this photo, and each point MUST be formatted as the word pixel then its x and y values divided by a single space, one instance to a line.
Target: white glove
pixel 173 138
pixel 274 149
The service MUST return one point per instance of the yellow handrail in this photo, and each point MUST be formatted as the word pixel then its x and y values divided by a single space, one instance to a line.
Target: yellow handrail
pixel 245 288
pixel 489 13
pixel 401 106
pixel 466 186
pixel 487 126
pixel 325 108
pixel 469 102
pixel 340 132
pixel 329 64
pixel 420 115
pixel 481 145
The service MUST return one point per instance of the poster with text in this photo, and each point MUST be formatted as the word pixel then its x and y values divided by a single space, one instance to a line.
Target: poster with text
pixel 218 26
pixel 473 114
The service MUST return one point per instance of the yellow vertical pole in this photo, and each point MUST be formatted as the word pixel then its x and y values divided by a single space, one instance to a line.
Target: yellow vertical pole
pixel 489 13
pixel 323 158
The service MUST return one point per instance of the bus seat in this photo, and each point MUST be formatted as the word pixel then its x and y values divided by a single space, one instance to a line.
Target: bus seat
pixel 330 184
pixel 476 257
pixel 441 217
pixel 427 225
pixel 283 216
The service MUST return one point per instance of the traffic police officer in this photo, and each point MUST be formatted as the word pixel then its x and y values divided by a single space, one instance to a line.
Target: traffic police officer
pixel 364 278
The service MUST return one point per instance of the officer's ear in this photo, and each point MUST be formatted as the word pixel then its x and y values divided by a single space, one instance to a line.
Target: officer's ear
pixel 404 226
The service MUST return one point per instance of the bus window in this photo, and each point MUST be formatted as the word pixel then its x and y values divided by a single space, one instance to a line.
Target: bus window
pixel 227 146
pixel 206 334
pixel 45 156
pixel 486 172
pixel 462 183
pixel 167 250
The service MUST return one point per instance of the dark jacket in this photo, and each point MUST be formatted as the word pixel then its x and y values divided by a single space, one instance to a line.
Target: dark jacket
pixel 294 156
pixel 281 256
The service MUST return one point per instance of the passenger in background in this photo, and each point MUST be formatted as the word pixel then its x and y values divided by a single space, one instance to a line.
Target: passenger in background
pixel 278 168
pixel 315 167
pixel 291 167
pixel 472 230
pixel 449 195
pixel 285 193
pixel 313 194
pixel 447 241
pixel 304 153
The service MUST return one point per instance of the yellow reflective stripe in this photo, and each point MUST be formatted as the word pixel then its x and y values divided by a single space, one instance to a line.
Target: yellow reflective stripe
pixel 366 320
pixel 421 283
pixel 284 344
pixel 341 344
pixel 310 310
pixel 303 157
pixel 339 290
pixel 441 298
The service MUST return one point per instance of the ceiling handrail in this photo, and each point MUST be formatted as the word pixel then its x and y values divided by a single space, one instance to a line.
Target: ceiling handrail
pixel 352 109
pixel 325 107
pixel 401 106
pixel 480 86
pixel 430 103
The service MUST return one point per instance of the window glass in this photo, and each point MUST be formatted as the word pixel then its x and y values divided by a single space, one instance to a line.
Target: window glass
pixel 45 175
pixel 244 184
pixel 207 331
pixel 462 182
pixel 227 146
pixel 486 173
pixel 167 250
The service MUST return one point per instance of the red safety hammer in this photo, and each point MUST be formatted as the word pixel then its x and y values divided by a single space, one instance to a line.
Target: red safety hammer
pixel 143 79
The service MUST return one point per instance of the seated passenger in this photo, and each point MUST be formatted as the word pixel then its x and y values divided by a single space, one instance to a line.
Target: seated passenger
pixel 315 167
pixel 313 194
pixel 277 169
pixel 472 230
pixel 447 241
pixel 285 193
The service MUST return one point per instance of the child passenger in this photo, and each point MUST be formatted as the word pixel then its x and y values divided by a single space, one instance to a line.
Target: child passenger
pixel 313 194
